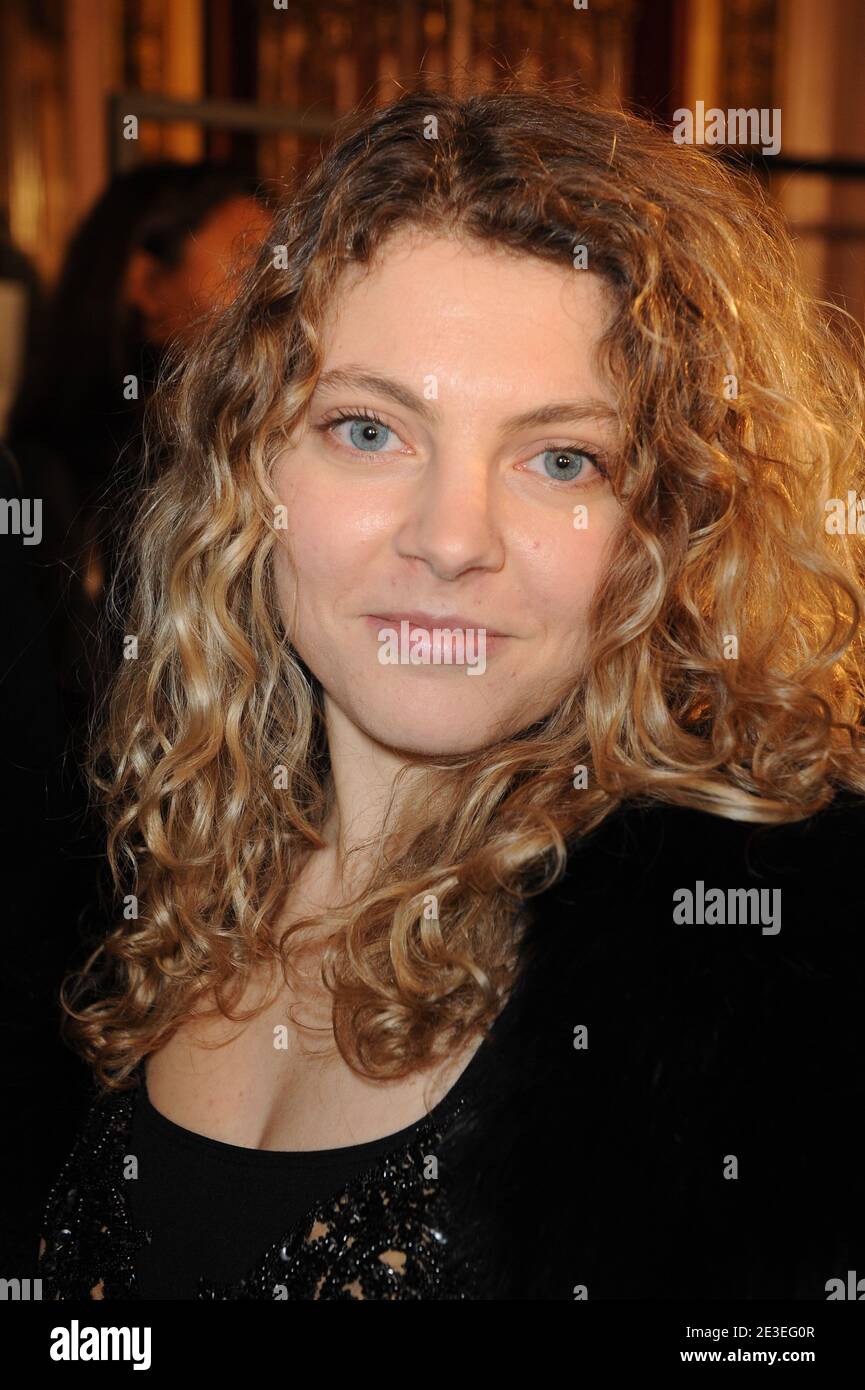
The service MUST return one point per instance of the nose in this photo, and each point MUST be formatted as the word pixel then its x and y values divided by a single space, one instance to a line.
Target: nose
pixel 453 521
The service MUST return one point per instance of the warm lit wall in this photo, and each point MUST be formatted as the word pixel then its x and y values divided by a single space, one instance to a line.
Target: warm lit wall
pixel 60 59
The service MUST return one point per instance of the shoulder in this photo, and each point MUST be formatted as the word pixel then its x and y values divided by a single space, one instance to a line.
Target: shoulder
pixel 676 915
pixel 641 1049
pixel 641 863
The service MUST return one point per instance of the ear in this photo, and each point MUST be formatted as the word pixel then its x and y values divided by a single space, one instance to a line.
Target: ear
pixel 143 286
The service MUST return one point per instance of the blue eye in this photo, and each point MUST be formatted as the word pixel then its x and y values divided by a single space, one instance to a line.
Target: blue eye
pixel 568 465
pixel 366 434
pixel 565 464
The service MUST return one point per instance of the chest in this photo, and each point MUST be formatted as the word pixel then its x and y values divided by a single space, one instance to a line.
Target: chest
pixel 278 1082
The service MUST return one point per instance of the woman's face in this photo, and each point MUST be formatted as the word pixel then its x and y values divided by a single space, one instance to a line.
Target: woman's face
pixel 446 503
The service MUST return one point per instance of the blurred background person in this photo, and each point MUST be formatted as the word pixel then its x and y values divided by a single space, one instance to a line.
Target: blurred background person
pixel 158 253
pixel 22 305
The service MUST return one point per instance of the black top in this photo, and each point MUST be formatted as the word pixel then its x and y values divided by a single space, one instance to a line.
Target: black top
pixel 210 1206
pixel 669 1105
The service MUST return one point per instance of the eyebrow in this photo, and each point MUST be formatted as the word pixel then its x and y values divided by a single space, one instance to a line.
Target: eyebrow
pixel 556 412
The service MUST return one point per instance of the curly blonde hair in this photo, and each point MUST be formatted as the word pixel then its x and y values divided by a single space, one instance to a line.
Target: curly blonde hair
pixel 741 406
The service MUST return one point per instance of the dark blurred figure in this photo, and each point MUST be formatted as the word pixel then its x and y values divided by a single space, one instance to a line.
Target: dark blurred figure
pixel 20 328
pixel 44 885
pixel 153 259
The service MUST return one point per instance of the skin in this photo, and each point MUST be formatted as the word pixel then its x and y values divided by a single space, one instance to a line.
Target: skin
pixel 171 301
pixel 455 516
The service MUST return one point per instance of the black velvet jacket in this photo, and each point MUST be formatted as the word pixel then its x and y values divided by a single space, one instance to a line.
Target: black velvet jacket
pixel 706 1140
pixel 669 1107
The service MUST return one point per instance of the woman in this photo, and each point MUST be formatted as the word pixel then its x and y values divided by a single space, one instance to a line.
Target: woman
pixel 520 368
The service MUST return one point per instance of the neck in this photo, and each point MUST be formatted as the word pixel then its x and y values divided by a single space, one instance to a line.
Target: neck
pixel 364 774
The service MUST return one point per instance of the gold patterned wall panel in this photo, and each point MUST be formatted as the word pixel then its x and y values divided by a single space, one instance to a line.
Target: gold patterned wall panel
pixel 328 57
pixel 164 55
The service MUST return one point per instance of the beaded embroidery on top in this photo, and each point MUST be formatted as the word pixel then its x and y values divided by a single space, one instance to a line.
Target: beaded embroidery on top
pixel 381 1237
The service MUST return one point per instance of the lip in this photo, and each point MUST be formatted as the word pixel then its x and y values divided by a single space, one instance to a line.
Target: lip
pixel 429 621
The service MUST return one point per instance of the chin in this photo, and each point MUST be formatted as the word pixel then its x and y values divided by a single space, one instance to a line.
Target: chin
pixel 433 727
pixel 420 743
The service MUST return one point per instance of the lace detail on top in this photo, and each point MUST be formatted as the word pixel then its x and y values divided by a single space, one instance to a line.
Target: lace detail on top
pixel 381 1237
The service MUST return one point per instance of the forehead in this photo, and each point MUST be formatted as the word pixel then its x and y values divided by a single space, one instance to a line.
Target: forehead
pixel 506 323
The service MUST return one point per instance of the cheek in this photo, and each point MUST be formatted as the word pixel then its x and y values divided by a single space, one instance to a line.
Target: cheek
pixel 326 540
pixel 563 571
